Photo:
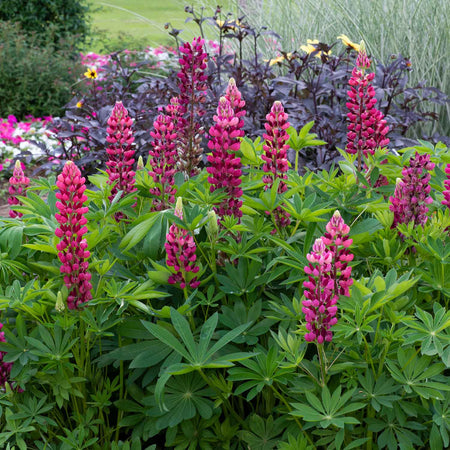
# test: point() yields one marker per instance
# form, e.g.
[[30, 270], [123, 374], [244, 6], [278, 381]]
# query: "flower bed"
[[211, 296]]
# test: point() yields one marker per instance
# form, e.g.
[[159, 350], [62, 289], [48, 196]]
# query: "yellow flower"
[[226, 24], [311, 47], [278, 59], [79, 104], [346, 41], [91, 73]]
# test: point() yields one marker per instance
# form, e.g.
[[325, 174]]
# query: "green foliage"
[[49, 20], [36, 79], [147, 364]]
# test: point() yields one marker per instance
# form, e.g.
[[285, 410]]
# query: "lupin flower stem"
[[18, 184], [192, 83], [120, 152], [225, 167], [367, 129], [72, 249]]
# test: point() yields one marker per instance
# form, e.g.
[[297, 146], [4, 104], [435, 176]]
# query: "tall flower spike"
[[225, 167], [329, 276], [411, 195], [275, 156], [367, 129], [192, 84], [72, 248], [446, 192], [18, 184], [162, 160], [120, 163], [180, 249], [5, 367]]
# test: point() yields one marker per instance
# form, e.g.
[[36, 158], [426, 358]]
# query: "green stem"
[[322, 362], [281, 397]]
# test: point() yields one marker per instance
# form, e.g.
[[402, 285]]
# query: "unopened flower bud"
[[59, 305], [140, 163], [212, 227]]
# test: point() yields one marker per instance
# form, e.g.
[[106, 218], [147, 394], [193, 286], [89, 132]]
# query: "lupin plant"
[[225, 167], [181, 256], [5, 367], [411, 195], [72, 249], [446, 191], [18, 184], [192, 85], [367, 128], [163, 163], [275, 157], [120, 152], [329, 276]]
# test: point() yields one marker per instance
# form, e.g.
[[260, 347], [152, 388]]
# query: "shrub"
[[50, 20], [35, 79]]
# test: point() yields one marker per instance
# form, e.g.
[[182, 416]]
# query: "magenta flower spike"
[[120, 163], [72, 248], [225, 167], [446, 192], [329, 276], [18, 184], [180, 249], [411, 195], [5, 367], [275, 156], [192, 85], [233, 95], [367, 128], [162, 160]]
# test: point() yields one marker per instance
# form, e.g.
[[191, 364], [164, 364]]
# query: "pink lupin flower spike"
[[180, 249], [328, 277], [225, 167], [411, 195], [120, 152], [18, 184], [367, 128], [5, 367], [72, 248], [162, 160], [275, 156], [192, 84], [446, 191]]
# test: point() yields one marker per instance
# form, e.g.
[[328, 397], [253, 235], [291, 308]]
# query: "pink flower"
[[72, 248], [162, 160], [225, 167], [411, 195], [120, 152], [192, 84], [367, 129], [18, 184], [328, 277], [446, 192], [5, 367], [275, 156], [180, 248]]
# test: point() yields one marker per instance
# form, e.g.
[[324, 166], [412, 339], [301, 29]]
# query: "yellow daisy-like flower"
[[91, 73], [79, 104], [225, 24], [311, 47], [347, 42], [278, 59]]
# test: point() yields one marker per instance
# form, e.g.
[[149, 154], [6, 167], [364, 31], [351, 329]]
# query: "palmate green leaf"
[[332, 410]]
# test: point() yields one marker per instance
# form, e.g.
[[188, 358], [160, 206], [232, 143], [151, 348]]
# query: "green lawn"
[[142, 21]]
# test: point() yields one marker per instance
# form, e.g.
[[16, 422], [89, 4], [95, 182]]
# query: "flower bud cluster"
[[446, 192], [162, 161], [367, 129], [192, 85], [180, 249], [411, 195], [120, 153], [275, 156], [225, 167], [329, 276], [18, 184], [72, 248]]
